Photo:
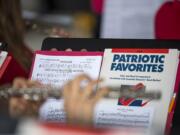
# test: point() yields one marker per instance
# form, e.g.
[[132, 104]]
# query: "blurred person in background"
[[12, 31]]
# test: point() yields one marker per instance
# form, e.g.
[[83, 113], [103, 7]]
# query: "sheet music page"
[[108, 114], [53, 110], [129, 18], [56, 70], [3, 56]]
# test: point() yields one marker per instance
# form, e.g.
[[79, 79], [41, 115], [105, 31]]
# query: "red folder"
[[11, 69]]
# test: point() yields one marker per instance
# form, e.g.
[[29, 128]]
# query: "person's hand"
[[18, 106], [79, 102]]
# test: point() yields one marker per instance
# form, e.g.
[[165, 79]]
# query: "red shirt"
[[97, 6]]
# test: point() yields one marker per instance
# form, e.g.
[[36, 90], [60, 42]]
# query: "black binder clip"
[[3, 46]]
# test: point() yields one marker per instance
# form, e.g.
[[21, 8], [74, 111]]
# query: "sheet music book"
[[138, 69], [133, 19], [55, 68], [145, 69], [9, 68]]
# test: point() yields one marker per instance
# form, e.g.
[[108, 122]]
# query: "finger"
[[68, 101], [67, 90], [76, 84], [20, 83], [88, 90], [46, 86], [83, 50], [17, 106], [100, 94], [68, 50], [34, 107], [54, 49], [32, 83]]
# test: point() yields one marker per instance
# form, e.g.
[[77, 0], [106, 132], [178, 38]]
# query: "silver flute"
[[37, 94]]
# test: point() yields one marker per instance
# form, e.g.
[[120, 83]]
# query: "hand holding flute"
[[79, 101], [27, 96]]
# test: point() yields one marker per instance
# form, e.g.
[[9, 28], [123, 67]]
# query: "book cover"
[[139, 70]]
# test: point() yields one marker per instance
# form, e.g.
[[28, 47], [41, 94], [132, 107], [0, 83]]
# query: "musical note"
[[52, 111], [122, 116]]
